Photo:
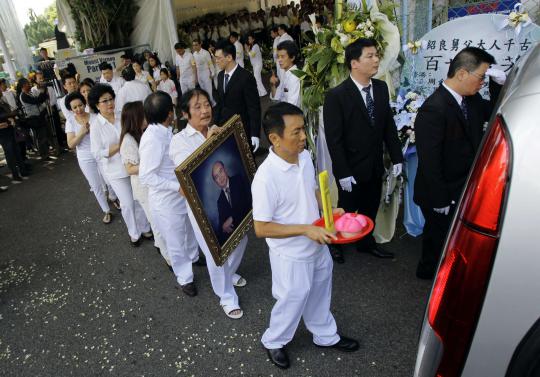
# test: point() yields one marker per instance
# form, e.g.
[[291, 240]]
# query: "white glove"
[[397, 169], [346, 183], [442, 211], [497, 75], [255, 143]]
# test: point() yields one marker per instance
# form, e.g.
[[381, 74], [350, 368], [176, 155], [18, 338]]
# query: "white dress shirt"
[[274, 201], [203, 61], [103, 134], [83, 149], [360, 87], [458, 97], [62, 104], [288, 89], [285, 37], [185, 63], [9, 97], [116, 83], [230, 73], [274, 48], [156, 170], [255, 55], [239, 53], [184, 143], [132, 91]]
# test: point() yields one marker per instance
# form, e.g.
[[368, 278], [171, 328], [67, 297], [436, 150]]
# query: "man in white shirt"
[[186, 70], [224, 30], [108, 77], [197, 109], [283, 35], [132, 90], [70, 85], [299, 258], [167, 205], [275, 36], [288, 89], [234, 39], [205, 68]]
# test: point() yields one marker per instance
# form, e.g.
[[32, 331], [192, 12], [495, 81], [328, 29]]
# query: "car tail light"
[[461, 282]]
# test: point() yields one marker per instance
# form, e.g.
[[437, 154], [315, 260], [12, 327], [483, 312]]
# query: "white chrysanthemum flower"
[[360, 26], [369, 34]]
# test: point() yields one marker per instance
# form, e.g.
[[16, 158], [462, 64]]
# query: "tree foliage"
[[103, 22], [40, 28]]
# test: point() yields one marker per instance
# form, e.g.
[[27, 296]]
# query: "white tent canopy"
[[11, 32]]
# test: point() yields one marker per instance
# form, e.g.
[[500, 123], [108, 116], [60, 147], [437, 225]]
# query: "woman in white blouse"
[[255, 57], [105, 145], [143, 76], [167, 85], [77, 132], [155, 67], [133, 126]]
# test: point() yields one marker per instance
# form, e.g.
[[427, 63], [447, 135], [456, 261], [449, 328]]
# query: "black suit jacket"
[[241, 203], [354, 143], [447, 144], [241, 98]]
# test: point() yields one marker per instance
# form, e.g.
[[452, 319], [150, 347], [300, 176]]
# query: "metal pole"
[[7, 57], [430, 15], [404, 21]]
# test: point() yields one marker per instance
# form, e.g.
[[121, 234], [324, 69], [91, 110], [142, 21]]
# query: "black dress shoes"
[[378, 251], [136, 243], [345, 345], [279, 357], [337, 254], [189, 289]]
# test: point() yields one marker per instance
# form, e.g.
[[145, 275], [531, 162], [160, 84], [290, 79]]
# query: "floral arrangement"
[[324, 67], [517, 19], [405, 109]]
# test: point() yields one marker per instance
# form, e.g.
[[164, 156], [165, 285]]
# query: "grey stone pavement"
[[77, 300]]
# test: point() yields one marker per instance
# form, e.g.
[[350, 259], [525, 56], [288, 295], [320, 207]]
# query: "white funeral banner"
[[88, 66], [429, 61]]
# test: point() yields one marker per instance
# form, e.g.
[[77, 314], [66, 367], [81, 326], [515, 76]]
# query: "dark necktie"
[[226, 82], [370, 105], [464, 109], [228, 195]]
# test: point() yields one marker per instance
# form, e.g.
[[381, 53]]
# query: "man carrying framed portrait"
[[196, 107]]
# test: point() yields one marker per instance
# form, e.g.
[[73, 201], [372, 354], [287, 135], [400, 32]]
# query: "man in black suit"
[[234, 201], [237, 93], [449, 128], [357, 121]]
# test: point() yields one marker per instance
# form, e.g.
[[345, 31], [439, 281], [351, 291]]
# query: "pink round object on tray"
[[352, 226]]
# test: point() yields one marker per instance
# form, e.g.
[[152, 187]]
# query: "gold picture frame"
[[230, 145]]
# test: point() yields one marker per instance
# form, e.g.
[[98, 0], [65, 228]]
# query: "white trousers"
[[186, 85], [302, 290], [132, 212], [90, 171], [221, 277], [179, 240], [108, 187], [205, 82], [159, 242], [260, 86]]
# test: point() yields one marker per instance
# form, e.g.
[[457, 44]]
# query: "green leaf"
[[299, 73], [336, 45], [326, 58]]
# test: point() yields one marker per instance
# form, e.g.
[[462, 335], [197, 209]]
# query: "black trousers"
[[11, 150], [40, 128], [436, 229], [365, 198], [60, 133]]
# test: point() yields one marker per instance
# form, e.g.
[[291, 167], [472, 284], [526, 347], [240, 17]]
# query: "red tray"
[[341, 240]]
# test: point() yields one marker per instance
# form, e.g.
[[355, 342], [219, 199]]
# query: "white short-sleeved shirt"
[[83, 148], [102, 135], [168, 87], [185, 63], [116, 83], [156, 170], [274, 201], [203, 61], [288, 89], [132, 91]]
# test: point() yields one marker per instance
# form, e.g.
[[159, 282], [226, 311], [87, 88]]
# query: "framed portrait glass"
[[216, 180]]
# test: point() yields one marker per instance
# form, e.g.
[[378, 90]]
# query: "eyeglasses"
[[481, 77], [107, 100]]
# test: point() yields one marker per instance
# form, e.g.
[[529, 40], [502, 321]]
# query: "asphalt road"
[[77, 300]]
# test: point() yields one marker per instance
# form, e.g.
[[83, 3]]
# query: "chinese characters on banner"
[[429, 67]]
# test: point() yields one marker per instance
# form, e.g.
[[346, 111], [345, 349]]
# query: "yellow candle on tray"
[[326, 202]]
